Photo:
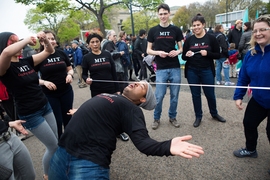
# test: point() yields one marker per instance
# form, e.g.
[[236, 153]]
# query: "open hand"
[[187, 150], [71, 111]]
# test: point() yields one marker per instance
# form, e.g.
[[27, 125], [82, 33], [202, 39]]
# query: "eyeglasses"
[[260, 30]]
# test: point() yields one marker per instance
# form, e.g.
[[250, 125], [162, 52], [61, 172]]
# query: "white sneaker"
[[218, 83], [229, 84]]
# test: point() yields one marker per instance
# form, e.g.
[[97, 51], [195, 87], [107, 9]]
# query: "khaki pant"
[[233, 70], [79, 72]]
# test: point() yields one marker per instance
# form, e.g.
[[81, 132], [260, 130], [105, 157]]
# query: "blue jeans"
[[61, 103], [64, 166], [36, 118], [219, 67], [202, 76], [164, 76]]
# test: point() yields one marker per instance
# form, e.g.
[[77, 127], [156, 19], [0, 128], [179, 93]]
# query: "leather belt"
[[5, 136]]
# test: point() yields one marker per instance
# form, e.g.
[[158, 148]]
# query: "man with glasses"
[[161, 43]]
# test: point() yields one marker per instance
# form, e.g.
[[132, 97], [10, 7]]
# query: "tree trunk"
[[101, 25]]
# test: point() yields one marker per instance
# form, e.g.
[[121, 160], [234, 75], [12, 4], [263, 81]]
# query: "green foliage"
[[65, 25], [107, 24], [96, 7], [49, 6], [267, 5], [142, 20], [68, 31], [181, 18]]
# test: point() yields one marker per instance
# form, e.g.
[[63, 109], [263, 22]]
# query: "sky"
[[13, 14]]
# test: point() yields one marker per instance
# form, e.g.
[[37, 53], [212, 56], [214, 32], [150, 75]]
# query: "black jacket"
[[223, 44], [234, 36], [140, 47]]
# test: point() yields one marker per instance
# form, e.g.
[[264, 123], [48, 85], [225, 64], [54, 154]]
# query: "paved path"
[[219, 140]]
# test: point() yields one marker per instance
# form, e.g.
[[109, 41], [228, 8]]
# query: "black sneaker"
[[243, 152], [124, 137]]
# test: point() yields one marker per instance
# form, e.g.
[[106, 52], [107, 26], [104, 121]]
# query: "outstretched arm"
[[179, 147]]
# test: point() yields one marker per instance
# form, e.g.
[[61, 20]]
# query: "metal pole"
[[131, 17], [226, 13]]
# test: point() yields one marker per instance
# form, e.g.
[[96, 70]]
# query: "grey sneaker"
[[82, 85], [155, 124], [243, 152], [174, 122]]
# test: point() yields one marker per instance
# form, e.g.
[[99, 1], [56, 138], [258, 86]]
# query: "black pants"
[[143, 72], [136, 65], [254, 115], [120, 77]]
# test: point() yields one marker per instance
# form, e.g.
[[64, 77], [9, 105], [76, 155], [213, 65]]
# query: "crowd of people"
[[41, 96]]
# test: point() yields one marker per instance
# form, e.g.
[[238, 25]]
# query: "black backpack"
[[226, 39]]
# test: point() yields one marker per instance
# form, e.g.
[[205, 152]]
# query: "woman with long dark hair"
[[200, 51], [56, 75]]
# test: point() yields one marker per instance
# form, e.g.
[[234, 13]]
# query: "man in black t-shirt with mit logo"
[[164, 37]]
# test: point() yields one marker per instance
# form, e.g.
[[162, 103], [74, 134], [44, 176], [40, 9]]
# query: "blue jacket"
[[77, 56], [125, 58], [255, 72], [68, 51]]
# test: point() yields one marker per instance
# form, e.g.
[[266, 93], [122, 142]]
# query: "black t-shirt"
[[100, 67], [207, 42], [23, 82], [54, 69], [164, 39], [91, 132]]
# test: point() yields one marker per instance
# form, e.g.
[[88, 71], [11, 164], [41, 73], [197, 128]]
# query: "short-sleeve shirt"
[[164, 39], [22, 80], [101, 67], [54, 69]]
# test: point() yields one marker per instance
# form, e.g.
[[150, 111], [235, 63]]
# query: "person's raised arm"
[[10, 51], [48, 49]]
